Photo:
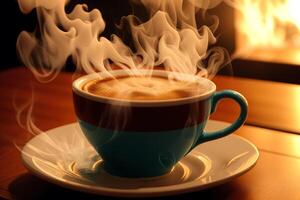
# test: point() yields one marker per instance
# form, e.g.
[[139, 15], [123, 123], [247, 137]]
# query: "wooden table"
[[274, 114]]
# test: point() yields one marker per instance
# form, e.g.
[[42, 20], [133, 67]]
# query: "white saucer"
[[64, 157]]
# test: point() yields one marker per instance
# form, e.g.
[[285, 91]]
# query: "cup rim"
[[78, 83]]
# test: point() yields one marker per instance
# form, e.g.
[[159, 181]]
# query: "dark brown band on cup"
[[130, 118]]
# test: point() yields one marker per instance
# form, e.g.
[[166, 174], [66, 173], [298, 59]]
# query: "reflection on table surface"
[[274, 113]]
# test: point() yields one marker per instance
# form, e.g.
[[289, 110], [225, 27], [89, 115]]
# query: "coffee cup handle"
[[241, 100]]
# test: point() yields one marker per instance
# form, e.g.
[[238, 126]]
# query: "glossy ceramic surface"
[[64, 157], [147, 138]]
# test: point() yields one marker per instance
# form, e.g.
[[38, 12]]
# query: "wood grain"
[[272, 105]]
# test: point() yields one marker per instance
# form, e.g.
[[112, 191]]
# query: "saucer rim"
[[144, 192]]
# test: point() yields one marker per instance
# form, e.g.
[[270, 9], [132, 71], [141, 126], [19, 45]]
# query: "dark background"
[[14, 22], [11, 21], [112, 11]]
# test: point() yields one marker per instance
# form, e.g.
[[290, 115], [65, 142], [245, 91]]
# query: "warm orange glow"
[[268, 24]]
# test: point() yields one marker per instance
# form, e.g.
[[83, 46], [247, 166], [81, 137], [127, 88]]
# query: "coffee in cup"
[[144, 88], [141, 126]]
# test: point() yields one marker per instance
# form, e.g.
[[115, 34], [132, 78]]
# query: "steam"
[[58, 155], [170, 38]]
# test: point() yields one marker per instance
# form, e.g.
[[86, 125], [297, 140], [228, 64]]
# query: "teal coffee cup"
[[140, 138]]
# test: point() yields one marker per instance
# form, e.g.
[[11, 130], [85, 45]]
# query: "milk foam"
[[144, 88]]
